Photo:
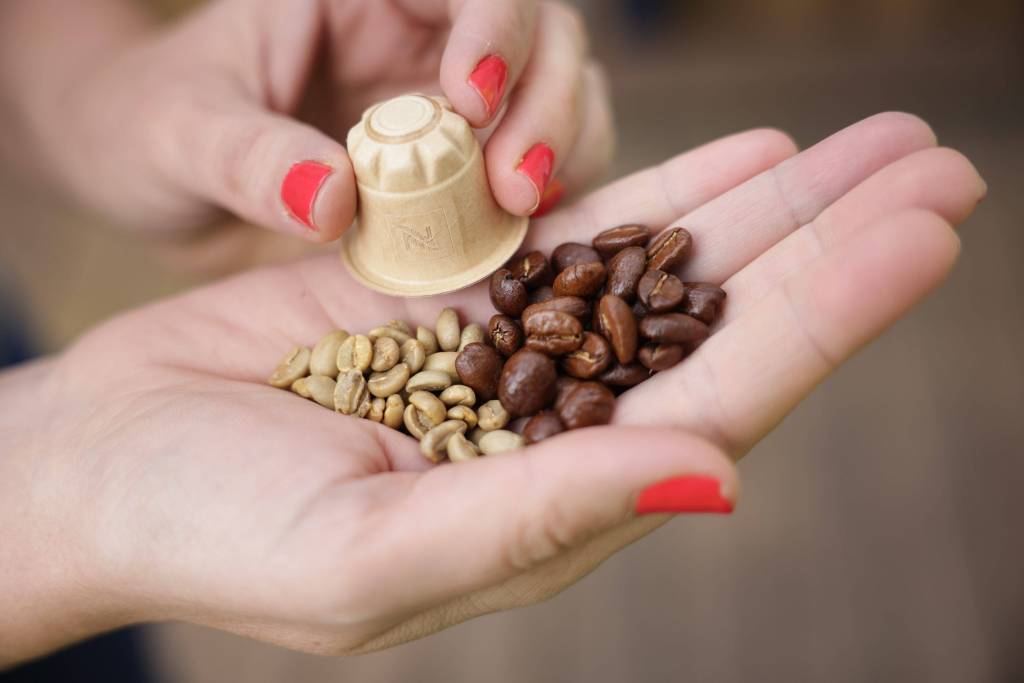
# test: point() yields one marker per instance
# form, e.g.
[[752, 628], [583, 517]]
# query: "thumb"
[[266, 168]]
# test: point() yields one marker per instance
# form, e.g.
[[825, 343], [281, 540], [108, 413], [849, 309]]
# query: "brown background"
[[880, 533]]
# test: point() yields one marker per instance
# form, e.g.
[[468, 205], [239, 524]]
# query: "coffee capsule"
[[427, 221]]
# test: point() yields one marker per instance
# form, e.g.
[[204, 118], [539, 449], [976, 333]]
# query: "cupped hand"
[[244, 106], [194, 491]]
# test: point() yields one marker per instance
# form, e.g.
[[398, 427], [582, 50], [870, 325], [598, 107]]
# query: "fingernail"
[[549, 200], [488, 79], [300, 187], [537, 165], [683, 494]]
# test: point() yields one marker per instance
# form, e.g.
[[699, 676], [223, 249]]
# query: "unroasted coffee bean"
[[461, 449], [527, 382], [703, 301], [433, 411], [324, 359], [321, 389], [299, 387], [479, 368], [500, 441], [563, 385], [506, 334], [553, 333], [443, 361], [582, 280], [540, 294], [508, 294], [428, 380], [394, 407], [428, 339], [350, 394], [471, 334], [414, 355], [659, 291], [669, 249], [458, 394], [624, 272], [625, 376], [464, 413], [384, 384], [572, 253], [618, 325], [377, 407], [386, 353], [415, 422], [573, 305], [612, 241], [356, 352], [588, 404], [449, 334], [533, 270], [591, 359], [399, 335], [673, 328], [661, 356], [400, 325], [541, 426], [492, 415], [435, 441], [292, 367]]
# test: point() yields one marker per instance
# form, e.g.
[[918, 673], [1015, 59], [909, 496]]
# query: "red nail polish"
[[550, 199], [683, 494], [537, 165], [300, 187], [488, 79]]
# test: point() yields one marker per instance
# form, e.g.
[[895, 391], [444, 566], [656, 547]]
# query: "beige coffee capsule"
[[427, 220]]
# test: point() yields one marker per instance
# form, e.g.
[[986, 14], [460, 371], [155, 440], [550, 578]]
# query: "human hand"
[[182, 487], [241, 106]]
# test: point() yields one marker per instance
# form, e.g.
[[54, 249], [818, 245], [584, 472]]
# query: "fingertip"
[[334, 207]]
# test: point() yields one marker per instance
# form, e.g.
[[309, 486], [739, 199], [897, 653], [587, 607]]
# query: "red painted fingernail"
[[550, 198], [300, 187], [488, 79], [683, 494], [537, 165]]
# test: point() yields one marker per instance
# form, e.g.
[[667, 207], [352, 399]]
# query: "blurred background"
[[879, 538]]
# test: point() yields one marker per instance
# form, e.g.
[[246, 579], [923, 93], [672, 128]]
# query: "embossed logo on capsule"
[[420, 237]]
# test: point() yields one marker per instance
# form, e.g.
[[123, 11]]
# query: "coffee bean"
[[300, 388], [321, 389], [624, 272], [415, 422], [563, 385], [541, 426], [394, 407], [639, 310], [350, 394], [540, 294], [324, 359], [433, 411], [471, 334], [619, 326], [527, 382], [458, 394], [669, 249], [435, 442], [533, 270], [508, 294], [553, 333], [292, 367], [377, 408], [400, 325], [356, 352], [673, 328], [428, 380], [448, 330], [500, 441], [613, 240], [414, 355], [428, 339], [703, 301], [591, 359], [573, 305], [582, 280], [389, 331], [625, 376], [461, 449], [572, 253], [386, 353], [443, 361], [661, 356], [479, 368], [660, 291], [384, 384], [506, 334], [492, 415], [588, 404], [464, 413]]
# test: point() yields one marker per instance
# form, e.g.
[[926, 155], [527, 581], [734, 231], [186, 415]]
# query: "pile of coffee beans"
[[590, 322], [571, 332]]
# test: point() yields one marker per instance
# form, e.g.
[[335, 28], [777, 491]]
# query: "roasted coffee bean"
[[292, 367], [573, 305], [588, 404], [500, 441], [582, 280], [508, 294], [553, 333], [703, 301], [527, 382], [591, 359], [350, 394], [618, 325], [506, 334], [479, 368], [659, 291], [669, 249], [624, 272], [624, 376], [572, 253], [673, 328], [449, 333], [613, 240], [324, 359], [639, 310], [540, 295], [563, 385], [461, 449], [533, 270], [471, 334], [492, 415], [428, 339], [541, 426], [356, 352], [386, 353], [661, 356]]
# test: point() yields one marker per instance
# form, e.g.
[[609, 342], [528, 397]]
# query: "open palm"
[[216, 499]]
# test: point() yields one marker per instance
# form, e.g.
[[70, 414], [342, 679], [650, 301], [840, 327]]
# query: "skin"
[[149, 474]]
